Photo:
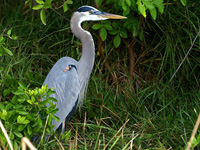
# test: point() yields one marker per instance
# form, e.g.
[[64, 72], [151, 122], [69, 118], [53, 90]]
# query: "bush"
[[26, 114]]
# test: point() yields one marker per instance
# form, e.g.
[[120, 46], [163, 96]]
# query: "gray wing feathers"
[[66, 85]]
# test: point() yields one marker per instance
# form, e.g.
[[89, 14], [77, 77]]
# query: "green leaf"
[[47, 6], [124, 5], [6, 91], [14, 37], [103, 34], [40, 1], [108, 27], [37, 7], [67, 135], [117, 41], [159, 5], [153, 13], [21, 85], [70, 2], [123, 34], [96, 26], [29, 101], [65, 7], [18, 134], [22, 112], [113, 32], [21, 127], [48, 1], [183, 2], [29, 129], [1, 38], [26, 122], [42, 16], [149, 4], [55, 117], [8, 51], [9, 32], [141, 8], [1, 107], [19, 92], [128, 2], [20, 119]]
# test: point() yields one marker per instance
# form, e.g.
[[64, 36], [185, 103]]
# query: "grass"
[[155, 114]]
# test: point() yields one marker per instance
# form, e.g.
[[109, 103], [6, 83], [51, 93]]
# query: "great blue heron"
[[70, 77]]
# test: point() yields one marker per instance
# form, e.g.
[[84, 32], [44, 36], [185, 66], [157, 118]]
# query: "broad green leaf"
[[113, 32], [47, 6], [29, 129], [40, 1], [128, 2], [103, 34], [183, 2], [124, 5], [108, 27], [1, 69], [1, 38], [27, 1], [65, 7], [1, 107], [117, 41], [9, 32], [21, 85], [70, 2], [26, 122], [37, 7], [8, 51], [20, 119], [55, 117], [141, 8], [48, 1], [18, 134], [14, 37], [21, 127], [96, 26], [22, 112], [153, 13], [123, 34], [159, 5], [42, 16], [19, 92], [149, 4], [6, 91]]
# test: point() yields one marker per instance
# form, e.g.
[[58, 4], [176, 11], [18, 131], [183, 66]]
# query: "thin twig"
[[194, 132], [6, 135], [61, 5], [185, 56], [60, 14]]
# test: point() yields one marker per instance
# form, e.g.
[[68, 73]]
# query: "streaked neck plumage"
[[86, 62]]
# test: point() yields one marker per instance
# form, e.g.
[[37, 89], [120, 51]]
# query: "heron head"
[[88, 13]]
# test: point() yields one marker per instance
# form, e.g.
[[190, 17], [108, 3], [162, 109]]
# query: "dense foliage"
[[130, 102]]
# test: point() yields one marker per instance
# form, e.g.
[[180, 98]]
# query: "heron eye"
[[90, 11]]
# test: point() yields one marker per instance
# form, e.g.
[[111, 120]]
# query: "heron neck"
[[86, 61]]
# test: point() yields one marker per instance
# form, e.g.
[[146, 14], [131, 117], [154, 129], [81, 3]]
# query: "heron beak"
[[111, 16]]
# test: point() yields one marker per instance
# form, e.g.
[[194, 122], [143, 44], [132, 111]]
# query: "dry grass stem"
[[25, 141], [6, 135], [194, 132]]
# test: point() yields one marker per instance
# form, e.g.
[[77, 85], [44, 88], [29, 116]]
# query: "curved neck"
[[86, 61]]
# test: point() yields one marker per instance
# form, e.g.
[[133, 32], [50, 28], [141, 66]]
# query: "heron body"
[[70, 77]]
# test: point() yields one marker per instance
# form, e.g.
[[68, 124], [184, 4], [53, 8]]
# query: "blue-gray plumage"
[[70, 77]]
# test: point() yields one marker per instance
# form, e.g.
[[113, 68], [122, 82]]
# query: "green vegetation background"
[[141, 111]]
